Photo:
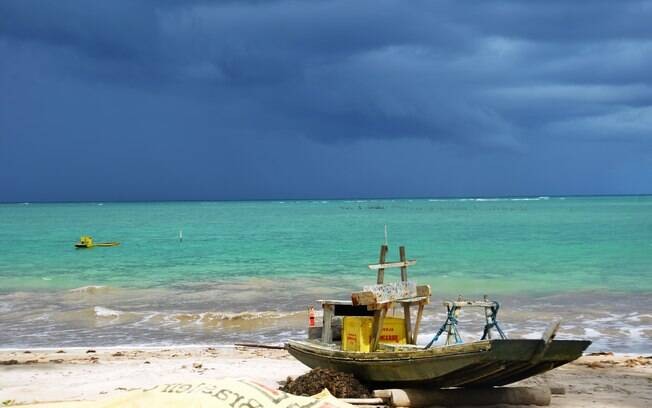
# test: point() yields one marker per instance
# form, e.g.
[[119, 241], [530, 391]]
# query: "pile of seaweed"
[[341, 385]]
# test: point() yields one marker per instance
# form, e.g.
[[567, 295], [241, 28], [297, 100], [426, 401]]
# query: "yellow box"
[[356, 332]]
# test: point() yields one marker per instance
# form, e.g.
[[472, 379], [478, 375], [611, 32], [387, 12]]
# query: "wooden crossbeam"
[[469, 303], [370, 298], [399, 264], [411, 301]]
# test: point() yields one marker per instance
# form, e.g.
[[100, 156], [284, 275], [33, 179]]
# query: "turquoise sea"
[[247, 271]]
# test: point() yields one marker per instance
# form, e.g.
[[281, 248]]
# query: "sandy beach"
[[28, 376]]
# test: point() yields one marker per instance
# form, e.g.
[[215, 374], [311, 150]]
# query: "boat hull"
[[101, 244], [478, 364]]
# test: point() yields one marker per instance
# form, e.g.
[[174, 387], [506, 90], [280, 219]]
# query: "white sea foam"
[[592, 333], [101, 311], [5, 307], [501, 199], [89, 289], [231, 316]]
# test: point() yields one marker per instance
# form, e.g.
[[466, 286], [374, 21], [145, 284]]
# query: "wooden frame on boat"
[[380, 302]]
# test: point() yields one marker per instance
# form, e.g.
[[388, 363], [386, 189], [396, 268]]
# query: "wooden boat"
[[87, 242], [485, 363], [478, 364]]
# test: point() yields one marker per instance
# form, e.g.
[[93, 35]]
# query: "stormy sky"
[[168, 100]]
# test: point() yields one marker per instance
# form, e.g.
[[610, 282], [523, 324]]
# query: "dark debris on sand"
[[341, 385]]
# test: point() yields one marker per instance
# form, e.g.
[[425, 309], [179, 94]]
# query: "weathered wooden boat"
[[485, 363], [477, 364]]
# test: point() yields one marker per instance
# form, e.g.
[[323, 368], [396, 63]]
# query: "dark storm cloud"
[[340, 70], [480, 76]]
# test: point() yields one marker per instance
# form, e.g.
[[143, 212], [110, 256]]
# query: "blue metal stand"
[[450, 325]]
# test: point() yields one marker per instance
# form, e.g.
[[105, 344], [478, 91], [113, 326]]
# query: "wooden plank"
[[412, 301], [381, 270], [469, 303], [327, 332], [363, 298], [379, 319], [550, 333], [547, 337], [423, 290], [370, 405], [384, 394], [399, 264], [365, 401], [384, 293], [415, 335], [335, 302], [404, 276]]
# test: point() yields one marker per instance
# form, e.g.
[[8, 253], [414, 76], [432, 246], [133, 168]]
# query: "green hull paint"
[[477, 364]]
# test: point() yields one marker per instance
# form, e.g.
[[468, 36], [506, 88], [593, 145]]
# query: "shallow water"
[[248, 270]]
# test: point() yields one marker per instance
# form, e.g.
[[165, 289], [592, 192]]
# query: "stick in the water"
[[256, 345], [180, 235]]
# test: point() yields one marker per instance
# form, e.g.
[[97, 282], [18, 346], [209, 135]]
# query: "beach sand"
[[83, 374]]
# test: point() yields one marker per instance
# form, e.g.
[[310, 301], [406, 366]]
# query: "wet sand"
[[87, 374]]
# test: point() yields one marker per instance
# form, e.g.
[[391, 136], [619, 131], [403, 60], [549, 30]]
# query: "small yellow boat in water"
[[87, 242]]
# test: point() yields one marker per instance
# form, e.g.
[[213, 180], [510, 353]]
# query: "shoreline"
[[80, 373], [235, 346]]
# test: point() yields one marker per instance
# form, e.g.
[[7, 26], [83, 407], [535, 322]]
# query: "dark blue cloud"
[[254, 88]]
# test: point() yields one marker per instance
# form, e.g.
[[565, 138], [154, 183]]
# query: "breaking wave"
[[91, 289], [106, 312]]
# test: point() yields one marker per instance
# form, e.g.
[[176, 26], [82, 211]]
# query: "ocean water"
[[247, 271]]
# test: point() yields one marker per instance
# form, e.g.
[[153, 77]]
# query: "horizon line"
[[329, 199]]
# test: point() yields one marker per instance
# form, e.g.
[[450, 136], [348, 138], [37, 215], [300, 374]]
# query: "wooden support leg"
[[406, 308], [415, 335], [377, 328], [327, 333], [408, 324]]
